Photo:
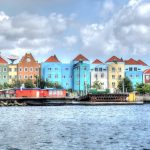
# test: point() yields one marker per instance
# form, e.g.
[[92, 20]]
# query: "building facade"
[[3, 71], [51, 70], [81, 74], [134, 71], [99, 73], [146, 76], [13, 72], [116, 67], [28, 68], [67, 76]]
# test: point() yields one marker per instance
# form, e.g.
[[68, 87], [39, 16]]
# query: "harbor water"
[[75, 128]]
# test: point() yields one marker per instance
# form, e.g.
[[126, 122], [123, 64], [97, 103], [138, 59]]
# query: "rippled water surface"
[[75, 128]]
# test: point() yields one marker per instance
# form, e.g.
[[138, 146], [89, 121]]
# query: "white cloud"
[[125, 34], [34, 32]]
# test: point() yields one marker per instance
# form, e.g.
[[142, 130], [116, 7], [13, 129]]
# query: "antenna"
[[12, 58]]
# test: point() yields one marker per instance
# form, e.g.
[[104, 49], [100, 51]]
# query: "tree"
[[143, 88], [29, 84], [127, 85], [16, 83], [97, 85]]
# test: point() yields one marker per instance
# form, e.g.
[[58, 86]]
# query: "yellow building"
[[12, 72], [116, 72]]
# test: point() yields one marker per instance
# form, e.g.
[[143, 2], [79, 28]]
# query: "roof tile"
[[97, 61], [52, 59], [80, 57]]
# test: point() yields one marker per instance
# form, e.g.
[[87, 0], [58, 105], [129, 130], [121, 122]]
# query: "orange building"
[[28, 68]]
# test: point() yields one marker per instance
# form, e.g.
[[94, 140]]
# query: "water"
[[75, 128]]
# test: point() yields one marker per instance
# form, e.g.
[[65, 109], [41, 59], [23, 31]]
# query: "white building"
[[99, 73]]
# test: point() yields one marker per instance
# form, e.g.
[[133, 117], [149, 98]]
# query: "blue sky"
[[94, 28]]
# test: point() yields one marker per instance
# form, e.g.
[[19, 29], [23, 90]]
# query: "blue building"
[[81, 74], [51, 70], [67, 77], [134, 71]]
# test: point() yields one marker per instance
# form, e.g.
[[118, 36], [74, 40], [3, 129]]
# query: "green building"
[[3, 71]]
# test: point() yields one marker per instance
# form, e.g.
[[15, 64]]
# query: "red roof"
[[147, 71], [80, 57], [3, 61], [97, 61], [131, 61], [142, 63], [114, 58], [52, 59]]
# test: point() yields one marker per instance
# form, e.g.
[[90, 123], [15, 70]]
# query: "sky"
[[98, 29]]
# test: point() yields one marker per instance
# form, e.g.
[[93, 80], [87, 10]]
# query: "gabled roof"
[[97, 61], [147, 71], [52, 59], [142, 63], [2, 60], [80, 57], [114, 58], [131, 61]]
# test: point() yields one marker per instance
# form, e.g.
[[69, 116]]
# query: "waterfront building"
[[67, 77], [13, 73], [81, 74], [116, 73], [28, 68], [99, 73], [3, 70], [134, 71], [51, 70], [146, 76]]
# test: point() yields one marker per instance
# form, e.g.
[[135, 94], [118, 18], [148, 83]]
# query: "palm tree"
[[97, 85]]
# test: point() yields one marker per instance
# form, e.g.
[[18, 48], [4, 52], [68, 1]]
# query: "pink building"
[[146, 76]]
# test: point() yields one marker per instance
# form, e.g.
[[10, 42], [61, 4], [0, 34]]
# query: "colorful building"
[[28, 68], [116, 73], [81, 74], [146, 76], [134, 71], [67, 77], [13, 73], [99, 73], [51, 70], [3, 70]]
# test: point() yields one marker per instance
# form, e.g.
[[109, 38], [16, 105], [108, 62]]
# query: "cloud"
[[34, 32], [125, 34]]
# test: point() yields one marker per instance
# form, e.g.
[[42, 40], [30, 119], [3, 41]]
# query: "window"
[[66, 68], [102, 75], [119, 77], [70, 76], [130, 69], [4, 77], [84, 68], [113, 76], [15, 69], [10, 77], [31, 69], [30, 77], [25, 77], [49, 76], [131, 76], [15, 77], [20, 76], [147, 77], [56, 75], [137, 76], [119, 69], [113, 84], [10, 69], [84, 75], [36, 69], [20, 69], [64, 77], [95, 76], [100, 69], [25, 69], [113, 69], [135, 68], [56, 68], [4, 69], [96, 69]]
